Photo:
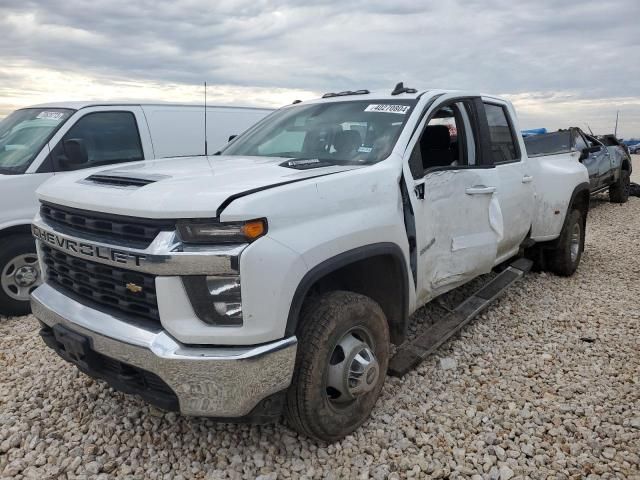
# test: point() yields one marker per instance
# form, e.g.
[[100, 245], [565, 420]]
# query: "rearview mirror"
[[231, 137], [75, 152]]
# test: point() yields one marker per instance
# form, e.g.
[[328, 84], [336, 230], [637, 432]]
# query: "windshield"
[[548, 143], [360, 132], [24, 133]]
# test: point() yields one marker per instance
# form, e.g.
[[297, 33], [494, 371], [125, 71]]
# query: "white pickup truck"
[[274, 277]]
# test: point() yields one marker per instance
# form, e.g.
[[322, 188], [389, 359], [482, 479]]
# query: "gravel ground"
[[544, 384]]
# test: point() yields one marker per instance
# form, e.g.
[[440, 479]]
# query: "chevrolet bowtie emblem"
[[134, 288]]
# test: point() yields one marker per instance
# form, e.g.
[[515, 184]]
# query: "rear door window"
[[503, 142], [107, 138]]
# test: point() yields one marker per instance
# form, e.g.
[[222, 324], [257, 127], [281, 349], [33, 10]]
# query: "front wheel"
[[343, 354], [19, 274], [565, 257], [619, 191]]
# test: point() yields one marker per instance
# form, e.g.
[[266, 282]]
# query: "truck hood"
[[184, 187]]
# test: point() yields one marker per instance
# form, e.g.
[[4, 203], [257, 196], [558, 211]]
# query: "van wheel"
[[565, 257], [19, 274], [619, 191], [343, 354]]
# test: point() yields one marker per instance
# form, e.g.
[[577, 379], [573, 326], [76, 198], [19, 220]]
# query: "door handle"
[[527, 179], [480, 190]]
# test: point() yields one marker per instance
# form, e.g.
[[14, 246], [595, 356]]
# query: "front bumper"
[[223, 382]]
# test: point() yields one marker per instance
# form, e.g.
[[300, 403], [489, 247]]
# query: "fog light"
[[216, 300]]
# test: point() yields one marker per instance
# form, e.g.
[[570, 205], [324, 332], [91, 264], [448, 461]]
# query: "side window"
[[443, 142], [580, 143], [99, 138], [503, 144]]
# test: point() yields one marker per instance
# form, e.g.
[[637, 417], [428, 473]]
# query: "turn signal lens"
[[254, 229], [214, 232]]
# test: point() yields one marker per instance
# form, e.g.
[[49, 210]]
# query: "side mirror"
[[75, 152], [584, 154], [231, 137]]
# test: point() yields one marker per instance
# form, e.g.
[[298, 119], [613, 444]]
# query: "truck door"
[[601, 163], [590, 161], [451, 183], [515, 183]]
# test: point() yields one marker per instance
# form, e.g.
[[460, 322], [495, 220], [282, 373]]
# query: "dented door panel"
[[457, 236]]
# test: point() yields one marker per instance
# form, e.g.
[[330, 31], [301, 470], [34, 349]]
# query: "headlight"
[[213, 232]]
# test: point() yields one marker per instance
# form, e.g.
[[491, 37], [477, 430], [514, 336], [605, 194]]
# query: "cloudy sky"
[[563, 62]]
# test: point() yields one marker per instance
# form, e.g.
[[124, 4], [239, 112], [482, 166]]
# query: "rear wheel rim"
[[353, 370], [20, 276], [575, 242]]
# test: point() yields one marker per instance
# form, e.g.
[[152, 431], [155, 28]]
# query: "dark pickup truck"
[[608, 163]]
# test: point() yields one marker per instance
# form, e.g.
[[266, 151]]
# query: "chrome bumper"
[[217, 382]]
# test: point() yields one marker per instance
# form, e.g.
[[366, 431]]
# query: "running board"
[[410, 354]]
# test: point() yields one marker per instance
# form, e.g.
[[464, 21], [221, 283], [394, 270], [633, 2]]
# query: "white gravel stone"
[[543, 384], [448, 363]]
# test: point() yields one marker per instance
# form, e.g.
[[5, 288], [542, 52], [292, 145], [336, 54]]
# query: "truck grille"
[[102, 284], [138, 231]]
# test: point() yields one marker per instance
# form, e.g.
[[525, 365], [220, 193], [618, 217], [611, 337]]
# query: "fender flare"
[[579, 189], [341, 260]]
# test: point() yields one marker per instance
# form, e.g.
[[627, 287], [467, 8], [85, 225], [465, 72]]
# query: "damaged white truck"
[[273, 277]]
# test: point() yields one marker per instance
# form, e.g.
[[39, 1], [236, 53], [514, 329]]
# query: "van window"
[[99, 138], [24, 133], [503, 145]]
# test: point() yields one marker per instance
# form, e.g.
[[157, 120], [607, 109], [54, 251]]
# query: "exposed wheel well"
[[626, 165], [381, 276]]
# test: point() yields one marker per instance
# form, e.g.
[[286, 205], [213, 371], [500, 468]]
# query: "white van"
[[45, 140]]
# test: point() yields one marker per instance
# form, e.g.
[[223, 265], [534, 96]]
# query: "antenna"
[[615, 132], [590, 131], [206, 149]]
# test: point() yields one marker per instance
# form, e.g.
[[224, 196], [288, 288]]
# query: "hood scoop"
[[123, 179]]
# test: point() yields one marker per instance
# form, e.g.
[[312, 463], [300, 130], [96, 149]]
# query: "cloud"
[[584, 52]]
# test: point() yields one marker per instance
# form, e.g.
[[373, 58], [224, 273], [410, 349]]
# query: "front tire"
[[565, 257], [19, 274], [619, 191], [343, 355]]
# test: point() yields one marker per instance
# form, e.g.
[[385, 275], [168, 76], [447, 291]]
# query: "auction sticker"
[[386, 108], [51, 115]]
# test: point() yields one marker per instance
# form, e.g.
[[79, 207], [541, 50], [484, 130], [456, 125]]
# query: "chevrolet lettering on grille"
[[87, 249]]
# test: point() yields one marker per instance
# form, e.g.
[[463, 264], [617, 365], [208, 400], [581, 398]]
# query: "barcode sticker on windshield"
[[51, 115], [385, 108]]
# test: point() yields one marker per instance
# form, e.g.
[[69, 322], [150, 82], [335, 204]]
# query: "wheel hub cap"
[[26, 276], [353, 368], [20, 276]]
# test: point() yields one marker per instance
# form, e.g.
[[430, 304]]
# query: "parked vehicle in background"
[[274, 278], [634, 148], [609, 166], [39, 142]]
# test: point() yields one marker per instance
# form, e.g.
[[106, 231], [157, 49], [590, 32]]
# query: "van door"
[[515, 193], [452, 184], [102, 136]]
